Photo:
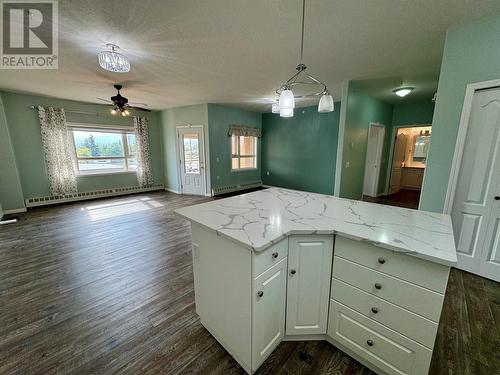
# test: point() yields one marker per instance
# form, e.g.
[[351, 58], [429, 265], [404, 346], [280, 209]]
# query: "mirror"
[[421, 147]]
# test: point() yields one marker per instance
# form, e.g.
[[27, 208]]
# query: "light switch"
[[347, 164], [268, 173]]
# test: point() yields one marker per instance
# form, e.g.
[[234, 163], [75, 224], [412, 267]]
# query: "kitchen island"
[[281, 264]]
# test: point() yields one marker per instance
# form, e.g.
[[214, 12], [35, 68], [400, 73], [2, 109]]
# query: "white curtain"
[[144, 173], [60, 172]]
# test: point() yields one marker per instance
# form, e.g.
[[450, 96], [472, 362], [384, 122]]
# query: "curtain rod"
[[83, 112]]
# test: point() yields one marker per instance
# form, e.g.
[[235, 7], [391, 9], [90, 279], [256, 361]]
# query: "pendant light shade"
[[287, 103], [275, 107], [325, 103], [113, 61], [286, 112]]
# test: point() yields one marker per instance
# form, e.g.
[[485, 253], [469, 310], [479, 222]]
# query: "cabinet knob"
[[374, 310], [275, 255], [293, 272], [497, 198], [260, 293], [378, 286], [381, 260], [369, 342]]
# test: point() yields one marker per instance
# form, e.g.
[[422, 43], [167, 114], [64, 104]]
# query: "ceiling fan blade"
[[105, 100], [138, 108], [138, 104]]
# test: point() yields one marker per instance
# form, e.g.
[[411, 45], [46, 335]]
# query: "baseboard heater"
[[232, 188], [43, 201]]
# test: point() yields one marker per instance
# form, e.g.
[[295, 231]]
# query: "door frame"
[[390, 158], [178, 155], [470, 90], [380, 153]]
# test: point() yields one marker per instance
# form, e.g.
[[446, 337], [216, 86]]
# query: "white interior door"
[[373, 159], [191, 160], [476, 206], [397, 163]]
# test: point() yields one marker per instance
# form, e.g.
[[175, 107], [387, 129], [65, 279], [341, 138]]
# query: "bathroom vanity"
[[281, 264]]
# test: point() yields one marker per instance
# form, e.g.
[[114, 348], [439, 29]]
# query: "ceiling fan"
[[121, 103]]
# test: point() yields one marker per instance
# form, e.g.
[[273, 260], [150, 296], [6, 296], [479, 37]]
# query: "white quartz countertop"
[[259, 219]]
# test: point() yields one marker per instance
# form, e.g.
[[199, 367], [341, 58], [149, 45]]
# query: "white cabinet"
[[309, 273], [268, 311], [412, 178]]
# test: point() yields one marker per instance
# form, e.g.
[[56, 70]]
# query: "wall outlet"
[[347, 164], [217, 159], [268, 173], [218, 177]]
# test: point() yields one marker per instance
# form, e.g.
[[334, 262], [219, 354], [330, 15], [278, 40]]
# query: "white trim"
[[340, 142], [173, 190], [470, 90], [178, 157], [85, 126], [380, 152], [14, 211], [390, 156]]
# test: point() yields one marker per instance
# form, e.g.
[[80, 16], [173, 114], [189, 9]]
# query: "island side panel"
[[223, 287]]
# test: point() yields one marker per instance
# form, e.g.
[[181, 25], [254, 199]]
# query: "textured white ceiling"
[[238, 51]]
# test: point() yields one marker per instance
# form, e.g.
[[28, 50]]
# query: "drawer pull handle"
[[293, 272], [378, 286], [275, 255], [369, 342], [374, 310], [381, 260], [260, 293]]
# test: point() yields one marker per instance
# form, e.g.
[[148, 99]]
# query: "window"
[[243, 152], [191, 153], [100, 150]]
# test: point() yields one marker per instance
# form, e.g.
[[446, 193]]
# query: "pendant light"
[[286, 95], [113, 61]]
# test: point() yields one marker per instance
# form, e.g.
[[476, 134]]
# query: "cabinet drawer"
[[403, 321], [384, 348], [417, 271], [265, 259], [409, 296]]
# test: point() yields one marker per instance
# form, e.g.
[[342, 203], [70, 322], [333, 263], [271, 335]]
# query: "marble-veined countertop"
[[259, 219]]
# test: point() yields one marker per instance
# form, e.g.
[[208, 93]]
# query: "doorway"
[[475, 209], [191, 157], [376, 133]]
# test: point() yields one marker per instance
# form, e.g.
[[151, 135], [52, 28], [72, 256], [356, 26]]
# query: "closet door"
[[475, 212]]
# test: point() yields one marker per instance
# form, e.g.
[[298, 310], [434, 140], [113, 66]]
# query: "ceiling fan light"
[[275, 107], [127, 112], [325, 103], [286, 112], [403, 91], [113, 61], [124, 114], [113, 111], [286, 101]]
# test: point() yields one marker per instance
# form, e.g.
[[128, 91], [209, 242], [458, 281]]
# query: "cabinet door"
[[268, 311], [309, 275]]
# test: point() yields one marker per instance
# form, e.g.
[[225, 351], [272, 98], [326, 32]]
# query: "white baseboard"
[[173, 190], [14, 211]]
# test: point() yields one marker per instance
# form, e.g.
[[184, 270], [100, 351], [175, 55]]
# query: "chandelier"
[[113, 61], [286, 101]]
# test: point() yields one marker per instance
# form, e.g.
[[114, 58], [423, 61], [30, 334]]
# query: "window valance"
[[245, 131]]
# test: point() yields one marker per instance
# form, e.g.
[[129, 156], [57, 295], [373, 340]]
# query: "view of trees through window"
[[97, 150]]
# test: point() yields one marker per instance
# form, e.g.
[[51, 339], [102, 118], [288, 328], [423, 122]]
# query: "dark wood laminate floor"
[[403, 198], [106, 286]]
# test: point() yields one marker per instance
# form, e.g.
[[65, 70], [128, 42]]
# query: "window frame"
[[239, 156], [124, 131]]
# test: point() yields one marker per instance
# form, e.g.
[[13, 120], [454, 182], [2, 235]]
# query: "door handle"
[[497, 198]]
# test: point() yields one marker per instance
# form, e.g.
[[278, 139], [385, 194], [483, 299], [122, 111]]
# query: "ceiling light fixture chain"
[[301, 77]]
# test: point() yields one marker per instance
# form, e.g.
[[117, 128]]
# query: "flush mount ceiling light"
[[304, 79], [403, 91], [113, 61]]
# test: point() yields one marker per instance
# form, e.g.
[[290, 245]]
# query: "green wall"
[[26, 138], [219, 119], [11, 194], [471, 54], [169, 119], [300, 152], [360, 111], [413, 113]]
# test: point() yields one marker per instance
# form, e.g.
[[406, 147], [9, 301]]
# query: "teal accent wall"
[[360, 111], [413, 113], [219, 119], [11, 194], [170, 119], [471, 54], [24, 129], [300, 152]]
